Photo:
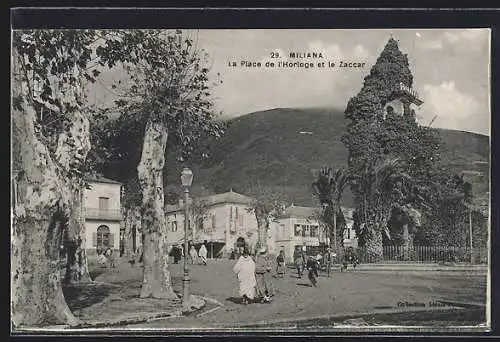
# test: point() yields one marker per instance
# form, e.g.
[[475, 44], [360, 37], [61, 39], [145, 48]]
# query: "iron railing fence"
[[426, 254]]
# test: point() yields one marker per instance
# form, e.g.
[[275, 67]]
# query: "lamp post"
[[186, 180], [325, 206], [470, 236]]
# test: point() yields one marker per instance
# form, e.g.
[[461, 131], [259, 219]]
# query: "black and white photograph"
[[250, 180]]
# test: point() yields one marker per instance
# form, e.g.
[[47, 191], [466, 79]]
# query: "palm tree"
[[380, 186], [329, 188]]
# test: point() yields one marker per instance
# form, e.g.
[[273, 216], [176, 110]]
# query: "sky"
[[450, 69]]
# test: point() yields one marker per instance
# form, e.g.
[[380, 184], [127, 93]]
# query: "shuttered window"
[[103, 203], [103, 237]]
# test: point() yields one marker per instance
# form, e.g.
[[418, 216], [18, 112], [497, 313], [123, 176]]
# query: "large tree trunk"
[[374, 241], [77, 270], [42, 199], [156, 281], [261, 232], [408, 250]]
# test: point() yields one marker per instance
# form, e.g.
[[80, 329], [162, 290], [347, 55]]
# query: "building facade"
[[102, 215], [228, 222], [299, 226], [224, 222]]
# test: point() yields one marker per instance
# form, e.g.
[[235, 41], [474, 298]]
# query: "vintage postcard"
[[243, 180]]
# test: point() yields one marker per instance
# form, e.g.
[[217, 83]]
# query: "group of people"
[[254, 274], [106, 258], [194, 256], [309, 263], [254, 277]]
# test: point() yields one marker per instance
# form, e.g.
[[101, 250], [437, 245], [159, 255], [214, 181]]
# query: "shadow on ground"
[[304, 284], [235, 300], [82, 296]]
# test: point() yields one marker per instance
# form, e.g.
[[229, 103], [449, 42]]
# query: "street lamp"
[[325, 206], [186, 180]]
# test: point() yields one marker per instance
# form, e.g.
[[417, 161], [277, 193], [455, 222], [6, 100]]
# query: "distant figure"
[[245, 271], [299, 263], [312, 266], [280, 264], [102, 260], [177, 254], [350, 257], [110, 257], [193, 255], [202, 253], [263, 275], [139, 254], [232, 255]]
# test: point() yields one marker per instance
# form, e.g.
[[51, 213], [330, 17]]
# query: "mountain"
[[280, 149]]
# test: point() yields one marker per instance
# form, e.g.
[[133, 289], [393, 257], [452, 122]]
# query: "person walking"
[[193, 254], [299, 263], [203, 253], [177, 254], [312, 266], [280, 264], [263, 276], [245, 271], [110, 257]]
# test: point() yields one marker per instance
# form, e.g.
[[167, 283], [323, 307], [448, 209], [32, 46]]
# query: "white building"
[[228, 223], [300, 226], [102, 215], [402, 101]]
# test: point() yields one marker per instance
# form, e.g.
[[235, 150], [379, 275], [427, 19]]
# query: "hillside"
[[280, 148]]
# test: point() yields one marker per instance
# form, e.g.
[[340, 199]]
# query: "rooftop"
[[294, 211], [226, 197], [101, 179]]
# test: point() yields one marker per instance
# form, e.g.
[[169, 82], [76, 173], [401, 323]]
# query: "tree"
[[373, 135], [50, 133], [198, 211], [328, 189], [380, 187], [131, 205], [267, 206], [169, 89]]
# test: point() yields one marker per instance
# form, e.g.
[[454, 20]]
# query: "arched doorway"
[[103, 239]]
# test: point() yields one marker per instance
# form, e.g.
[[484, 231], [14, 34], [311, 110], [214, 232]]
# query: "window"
[[314, 231], [297, 230], [103, 203], [240, 218], [348, 233], [200, 224], [306, 230], [174, 226], [232, 224]]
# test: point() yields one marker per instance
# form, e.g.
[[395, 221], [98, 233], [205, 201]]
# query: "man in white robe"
[[203, 253], [245, 270]]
